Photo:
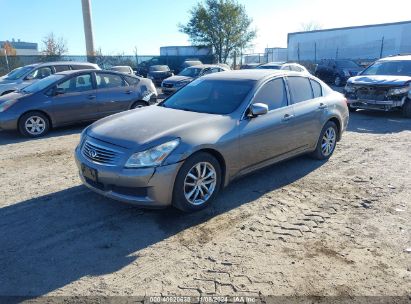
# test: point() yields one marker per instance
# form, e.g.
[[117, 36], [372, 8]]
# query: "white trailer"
[[185, 51], [368, 42]]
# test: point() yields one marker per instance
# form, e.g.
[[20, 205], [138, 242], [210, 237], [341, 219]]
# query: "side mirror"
[[58, 91], [29, 77], [258, 109]]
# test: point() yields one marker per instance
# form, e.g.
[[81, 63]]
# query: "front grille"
[[372, 93], [99, 154]]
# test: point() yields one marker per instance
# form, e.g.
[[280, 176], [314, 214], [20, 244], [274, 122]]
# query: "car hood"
[[4, 81], [177, 78], [11, 96], [379, 80], [149, 126]]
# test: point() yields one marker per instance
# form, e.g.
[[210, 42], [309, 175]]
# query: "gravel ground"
[[301, 227]]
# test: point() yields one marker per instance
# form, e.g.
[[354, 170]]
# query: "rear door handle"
[[91, 96], [287, 117], [322, 106]]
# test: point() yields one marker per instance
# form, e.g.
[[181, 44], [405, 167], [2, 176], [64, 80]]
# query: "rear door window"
[[273, 94], [61, 68], [105, 81], [317, 89], [300, 89]]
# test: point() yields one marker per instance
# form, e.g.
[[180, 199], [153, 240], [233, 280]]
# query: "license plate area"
[[89, 173]]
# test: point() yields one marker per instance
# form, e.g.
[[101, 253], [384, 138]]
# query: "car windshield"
[[347, 64], [210, 96], [18, 73], [159, 68], [190, 72], [397, 68], [42, 84]]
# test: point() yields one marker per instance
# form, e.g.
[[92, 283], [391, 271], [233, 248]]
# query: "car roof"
[[120, 66], [61, 63], [203, 66], [71, 72], [254, 75], [396, 58], [273, 64]]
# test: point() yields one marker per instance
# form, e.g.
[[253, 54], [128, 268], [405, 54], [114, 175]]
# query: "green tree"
[[222, 24]]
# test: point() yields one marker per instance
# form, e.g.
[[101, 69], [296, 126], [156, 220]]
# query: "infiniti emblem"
[[93, 153]]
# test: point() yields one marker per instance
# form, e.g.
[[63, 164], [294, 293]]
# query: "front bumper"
[[8, 121], [147, 187], [382, 105]]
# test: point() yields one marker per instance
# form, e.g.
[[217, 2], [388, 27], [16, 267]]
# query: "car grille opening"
[[99, 154]]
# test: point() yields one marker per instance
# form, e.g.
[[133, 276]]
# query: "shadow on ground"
[[54, 240], [378, 122]]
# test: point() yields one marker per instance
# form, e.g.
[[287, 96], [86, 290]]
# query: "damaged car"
[[385, 85]]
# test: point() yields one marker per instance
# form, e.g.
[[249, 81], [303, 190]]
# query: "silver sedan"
[[214, 130]]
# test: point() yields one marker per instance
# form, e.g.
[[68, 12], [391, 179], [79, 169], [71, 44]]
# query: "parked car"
[[248, 66], [26, 75], [385, 85], [174, 83], [223, 126], [289, 66], [122, 69], [189, 63], [70, 97], [337, 72], [157, 73]]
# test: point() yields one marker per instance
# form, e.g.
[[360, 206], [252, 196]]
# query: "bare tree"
[[310, 26], [54, 46], [9, 50]]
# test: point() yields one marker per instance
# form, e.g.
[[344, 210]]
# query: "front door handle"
[[287, 117], [322, 106], [91, 96]]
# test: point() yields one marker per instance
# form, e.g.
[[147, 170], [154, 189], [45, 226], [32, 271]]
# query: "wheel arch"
[[137, 101], [221, 161], [39, 111], [337, 122]]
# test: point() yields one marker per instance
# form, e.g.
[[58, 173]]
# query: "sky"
[[121, 26]]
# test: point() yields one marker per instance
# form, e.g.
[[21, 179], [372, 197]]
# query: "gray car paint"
[[74, 107], [245, 144]]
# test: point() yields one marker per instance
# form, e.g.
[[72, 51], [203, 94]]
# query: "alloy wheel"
[[35, 125], [200, 183], [328, 141]]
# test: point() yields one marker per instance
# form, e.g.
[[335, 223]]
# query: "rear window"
[[300, 89]]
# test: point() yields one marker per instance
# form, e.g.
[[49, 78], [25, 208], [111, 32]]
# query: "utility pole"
[[88, 28]]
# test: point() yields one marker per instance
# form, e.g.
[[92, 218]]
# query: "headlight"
[[152, 157], [349, 88], [7, 104], [346, 73], [181, 84], [399, 91]]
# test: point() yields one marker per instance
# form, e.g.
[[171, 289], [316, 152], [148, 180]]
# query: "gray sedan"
[[71, 97], [214, 130]]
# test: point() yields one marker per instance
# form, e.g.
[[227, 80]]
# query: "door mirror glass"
[[258, 109]]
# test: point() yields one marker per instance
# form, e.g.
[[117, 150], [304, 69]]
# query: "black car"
[[70, 97], [337, 72], [157, 73], [384, 85]]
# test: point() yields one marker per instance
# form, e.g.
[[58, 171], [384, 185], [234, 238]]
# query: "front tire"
[[327, 142], [198, 182], [34, 124], [138, 104], [406, 109]]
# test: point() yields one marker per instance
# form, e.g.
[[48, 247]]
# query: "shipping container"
[[185, 51]]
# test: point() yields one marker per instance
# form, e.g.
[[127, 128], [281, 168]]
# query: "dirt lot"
[[301, 227]]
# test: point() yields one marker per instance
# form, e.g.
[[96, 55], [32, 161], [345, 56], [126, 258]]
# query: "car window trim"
[[245, 117]]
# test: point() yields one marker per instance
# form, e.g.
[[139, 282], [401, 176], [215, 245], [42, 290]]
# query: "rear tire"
[[139, 104], [34, 124], [326, 142], [197, 183], [406, 109]]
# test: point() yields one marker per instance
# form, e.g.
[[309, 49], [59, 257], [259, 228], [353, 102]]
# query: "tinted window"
[[190, 72], [317, 89], [132, 81], [19, 72], [79, 83], [81, 67], [300, 89], [42, 84], [40, 73], [399, 68], [210, 96], [109, 81], [61, 68], [273, 94]]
